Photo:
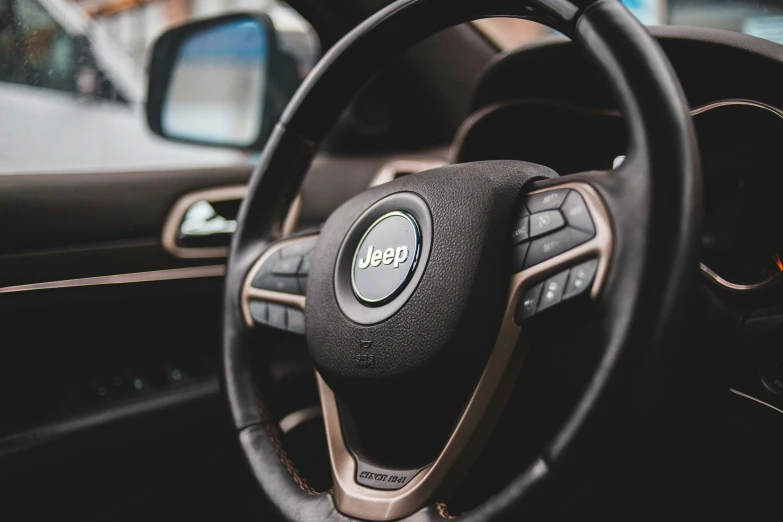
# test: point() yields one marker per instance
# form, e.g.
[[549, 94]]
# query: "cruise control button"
[[296, 322], [546, 222], [277, 316], [520, 232], [299, 247], [276, 283], [258, 310], [553, 290], [265, 269], [576, 212], [529, 303], [556, 243], [304, 268], [549, 200], [287, 265], [518, 256], [580, 277]]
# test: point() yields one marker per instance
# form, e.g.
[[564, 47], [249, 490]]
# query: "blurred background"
[[72, 72]]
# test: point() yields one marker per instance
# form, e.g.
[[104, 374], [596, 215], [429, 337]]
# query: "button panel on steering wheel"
[[273, 294], [551, 225]]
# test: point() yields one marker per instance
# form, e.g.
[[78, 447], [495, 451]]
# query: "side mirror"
[[221, 81]]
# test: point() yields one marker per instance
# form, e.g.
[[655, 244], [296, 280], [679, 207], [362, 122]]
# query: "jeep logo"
[[388, 257], [392, 264]]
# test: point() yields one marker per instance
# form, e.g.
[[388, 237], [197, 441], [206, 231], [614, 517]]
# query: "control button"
[[296, 322], [302, 284], [549, 200], [277, 316], [299, 247], [520, 232], [576, 212], [285, 284], [258, 311], [304, 268], [265, 269], [556, 243], [518, 256], [287, 265], [529, 303], [546, 222], [553, 290], [580, 277]]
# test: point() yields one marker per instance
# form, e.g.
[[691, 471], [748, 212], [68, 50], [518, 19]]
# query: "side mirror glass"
[[210, 82]]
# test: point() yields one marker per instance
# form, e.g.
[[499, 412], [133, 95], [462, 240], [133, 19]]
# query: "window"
[[37, 51], [73, 82]]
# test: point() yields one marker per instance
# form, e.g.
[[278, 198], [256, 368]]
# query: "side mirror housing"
[[222, 81]]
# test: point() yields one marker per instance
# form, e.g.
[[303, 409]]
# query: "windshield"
[[760, 18]]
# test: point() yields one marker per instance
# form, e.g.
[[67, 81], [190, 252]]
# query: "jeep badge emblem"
[[375, 257], [385, 258]]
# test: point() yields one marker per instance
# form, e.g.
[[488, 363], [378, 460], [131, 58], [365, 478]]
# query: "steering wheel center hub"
[[409, 278], [385, 259]]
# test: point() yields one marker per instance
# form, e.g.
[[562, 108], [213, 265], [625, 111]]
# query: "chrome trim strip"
[[294, 419], [706, 271], [736, 101], [713, 277], [173, 221], [391, 170], [485, 405], [754, 399], [193, 272], [171, 226]]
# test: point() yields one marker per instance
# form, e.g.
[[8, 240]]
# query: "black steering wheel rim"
[[654, 200]]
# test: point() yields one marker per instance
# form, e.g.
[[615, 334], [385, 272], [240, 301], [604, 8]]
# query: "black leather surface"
[[461, 294], [653, 200]]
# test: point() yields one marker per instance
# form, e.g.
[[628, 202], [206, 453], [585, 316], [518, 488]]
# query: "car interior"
[[445, 275]]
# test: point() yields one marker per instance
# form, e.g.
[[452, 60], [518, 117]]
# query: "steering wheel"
[[415, 296]]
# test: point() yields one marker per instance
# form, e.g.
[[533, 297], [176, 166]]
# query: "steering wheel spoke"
[[273, 293]]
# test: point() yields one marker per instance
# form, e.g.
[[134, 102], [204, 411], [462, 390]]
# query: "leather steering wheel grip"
[[653, 199]]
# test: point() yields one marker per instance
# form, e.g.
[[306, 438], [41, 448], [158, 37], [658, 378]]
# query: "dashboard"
[[565, 118], [743, 175]]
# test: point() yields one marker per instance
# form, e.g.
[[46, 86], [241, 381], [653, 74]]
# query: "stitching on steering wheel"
[[443, 511], [270, 427]]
